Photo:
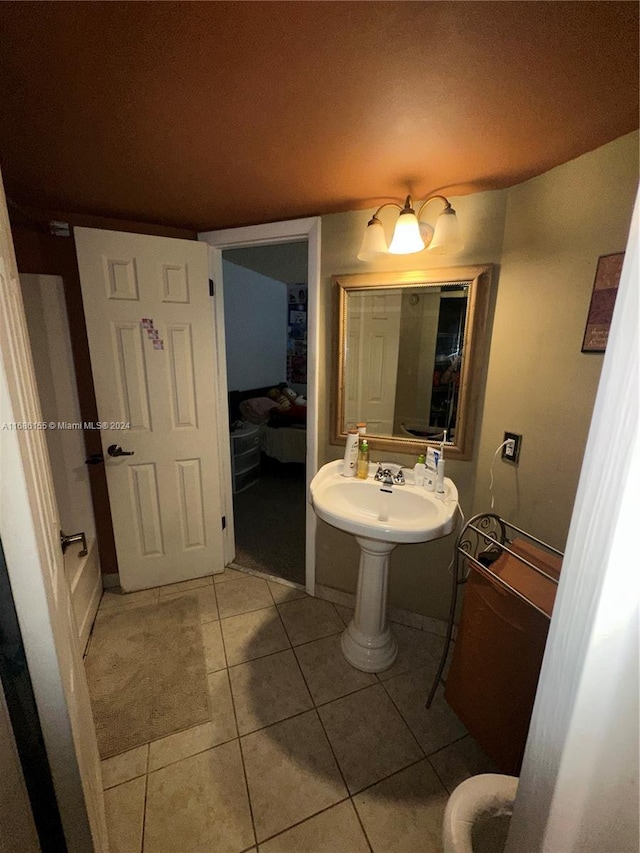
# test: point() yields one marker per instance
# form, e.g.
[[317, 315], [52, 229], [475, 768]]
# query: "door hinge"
[[224, 522], [211, 287], [59, 229]]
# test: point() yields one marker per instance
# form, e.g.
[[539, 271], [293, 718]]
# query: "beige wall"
[[545, 237], [539, 383], [419, 580]]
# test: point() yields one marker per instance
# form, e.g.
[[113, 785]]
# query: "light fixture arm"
[[386, 204], [408, 205], [447, 203]]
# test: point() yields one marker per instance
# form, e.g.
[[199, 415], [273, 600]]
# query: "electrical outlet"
[[511, 450]]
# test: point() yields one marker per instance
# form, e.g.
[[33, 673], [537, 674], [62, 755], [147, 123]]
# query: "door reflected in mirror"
[[409, 347]]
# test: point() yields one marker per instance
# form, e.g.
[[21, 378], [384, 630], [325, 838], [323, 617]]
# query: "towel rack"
[[480, 542]]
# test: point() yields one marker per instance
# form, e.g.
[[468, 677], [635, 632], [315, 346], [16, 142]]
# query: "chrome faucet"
[[386, 476]]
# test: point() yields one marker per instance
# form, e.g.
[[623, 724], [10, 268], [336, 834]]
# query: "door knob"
[[65, 541], [116, 450]]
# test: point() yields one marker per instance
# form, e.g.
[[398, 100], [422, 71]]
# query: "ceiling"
[[215, 114]]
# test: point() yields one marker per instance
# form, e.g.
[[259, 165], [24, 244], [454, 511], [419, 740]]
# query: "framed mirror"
[[409, 357]]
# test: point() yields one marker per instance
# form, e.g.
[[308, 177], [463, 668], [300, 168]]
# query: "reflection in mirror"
[[407, 356]]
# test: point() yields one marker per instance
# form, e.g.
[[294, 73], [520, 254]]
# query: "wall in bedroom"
[[255, 322]]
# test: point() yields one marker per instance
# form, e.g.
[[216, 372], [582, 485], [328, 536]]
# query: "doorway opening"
[[266, 338], [274, 234]]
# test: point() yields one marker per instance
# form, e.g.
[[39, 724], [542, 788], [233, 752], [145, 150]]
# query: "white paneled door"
[[151, 338], [374, 331]]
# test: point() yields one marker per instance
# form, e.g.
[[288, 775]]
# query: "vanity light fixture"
[[410, 234]]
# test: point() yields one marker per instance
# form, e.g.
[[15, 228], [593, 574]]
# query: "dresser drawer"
[[249, 459], [240, 443], [245, 479]]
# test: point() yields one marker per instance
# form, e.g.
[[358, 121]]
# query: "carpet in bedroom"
[[269, 520]]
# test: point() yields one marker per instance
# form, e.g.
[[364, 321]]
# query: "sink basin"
[[393, 514]]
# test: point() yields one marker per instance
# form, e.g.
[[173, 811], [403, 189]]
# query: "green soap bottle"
[[362, 471]]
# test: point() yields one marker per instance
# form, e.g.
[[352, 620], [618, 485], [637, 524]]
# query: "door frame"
[[294, 230], [45, 618]]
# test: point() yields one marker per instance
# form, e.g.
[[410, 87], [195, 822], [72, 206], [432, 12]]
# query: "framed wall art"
[[603, 300]]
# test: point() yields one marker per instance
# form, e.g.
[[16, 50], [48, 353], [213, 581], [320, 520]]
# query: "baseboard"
[[395, 614], [348, 599]]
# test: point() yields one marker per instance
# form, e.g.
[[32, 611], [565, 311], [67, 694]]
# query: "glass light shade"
[[446, 237], [374, 241], [426, 232], [406, 236]]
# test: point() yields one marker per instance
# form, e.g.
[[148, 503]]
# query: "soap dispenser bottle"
[[418, 471], [363, 460], [350, 461]]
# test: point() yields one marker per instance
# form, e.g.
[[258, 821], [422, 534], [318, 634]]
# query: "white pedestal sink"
[[380, 517]]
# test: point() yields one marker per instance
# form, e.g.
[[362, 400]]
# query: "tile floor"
[[303, 753]]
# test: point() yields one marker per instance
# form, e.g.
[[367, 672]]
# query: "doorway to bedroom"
[[265, 319]]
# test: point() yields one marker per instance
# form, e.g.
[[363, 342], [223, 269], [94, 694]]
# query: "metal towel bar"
[[486, 534]]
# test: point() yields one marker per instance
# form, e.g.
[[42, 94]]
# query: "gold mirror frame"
[[478, 279]]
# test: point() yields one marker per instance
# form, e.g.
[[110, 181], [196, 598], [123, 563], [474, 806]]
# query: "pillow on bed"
[[256, 409]]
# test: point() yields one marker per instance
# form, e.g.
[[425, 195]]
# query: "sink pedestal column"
[[367, 642]]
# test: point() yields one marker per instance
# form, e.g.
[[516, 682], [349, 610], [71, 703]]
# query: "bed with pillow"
[[281, 415]]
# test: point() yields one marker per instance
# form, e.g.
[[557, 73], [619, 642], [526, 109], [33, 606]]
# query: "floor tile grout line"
[[403, 718], [304, 820], [421, 758], [290, 716], [359, 819], [305, 642], [239, 663], [286, 633], [185, 591], [390, 776], [324, 731], [438, 776], [244, 768], [447, 745], [191, 754], [243, 612], [261, 656], [144, 808], [334, 698], [344, 781], [317, 639], [406, 722]]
